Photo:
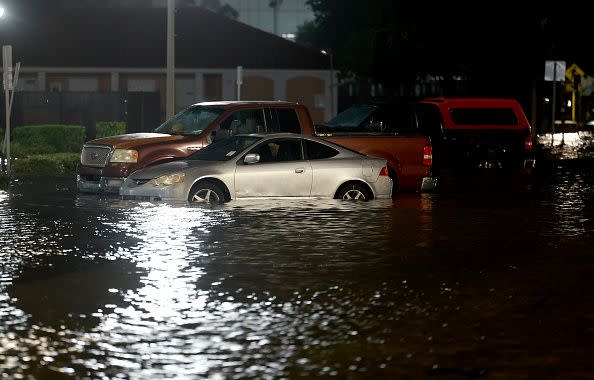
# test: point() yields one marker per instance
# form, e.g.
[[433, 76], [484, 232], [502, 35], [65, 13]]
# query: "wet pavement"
[[489, 278]]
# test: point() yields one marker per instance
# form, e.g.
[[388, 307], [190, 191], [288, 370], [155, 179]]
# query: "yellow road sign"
[[574, 70]]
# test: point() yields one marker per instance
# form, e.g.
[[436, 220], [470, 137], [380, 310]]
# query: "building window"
[[83, 84], [55, 86], [213, 87], [142, 85]]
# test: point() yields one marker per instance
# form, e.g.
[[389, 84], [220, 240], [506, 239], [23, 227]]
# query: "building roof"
[[136, 38]]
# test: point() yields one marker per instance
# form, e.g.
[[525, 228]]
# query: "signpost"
[[239, 81], [554, 72], [9, 85]]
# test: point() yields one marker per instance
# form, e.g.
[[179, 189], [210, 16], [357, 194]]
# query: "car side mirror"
[[251, 158]]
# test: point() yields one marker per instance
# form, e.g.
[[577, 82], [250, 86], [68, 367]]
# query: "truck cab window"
[[286, 120], [243, 122]]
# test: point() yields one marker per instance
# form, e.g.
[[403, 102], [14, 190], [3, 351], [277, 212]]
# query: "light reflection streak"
[[153, 323], [566, 145]]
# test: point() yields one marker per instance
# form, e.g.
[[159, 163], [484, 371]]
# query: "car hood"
[[155, 171], [132, 140]]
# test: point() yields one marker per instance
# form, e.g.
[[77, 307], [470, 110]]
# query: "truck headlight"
[[124, 156], [168, 179]]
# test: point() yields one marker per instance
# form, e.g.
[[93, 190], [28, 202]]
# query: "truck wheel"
[[206, 192], [354, 192]]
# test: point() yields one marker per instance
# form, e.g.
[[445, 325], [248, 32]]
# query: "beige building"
[[108, 50]]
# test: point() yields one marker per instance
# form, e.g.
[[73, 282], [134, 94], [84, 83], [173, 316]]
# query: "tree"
[[222, 9], [397, 42], [370, 41]]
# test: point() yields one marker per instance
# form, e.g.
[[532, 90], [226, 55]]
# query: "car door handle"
[[299, 170]]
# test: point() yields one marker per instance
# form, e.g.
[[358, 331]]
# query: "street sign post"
[[239, 81], [554, 72], [9, 84]]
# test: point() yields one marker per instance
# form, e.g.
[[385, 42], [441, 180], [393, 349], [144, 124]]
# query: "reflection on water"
[[463, 283], [568, 145]]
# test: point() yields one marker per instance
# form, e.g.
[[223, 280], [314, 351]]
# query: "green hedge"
[[56, 163], [109, 128], [43, 139]]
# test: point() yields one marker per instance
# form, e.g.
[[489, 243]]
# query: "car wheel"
[[206, 192], [354, 192]]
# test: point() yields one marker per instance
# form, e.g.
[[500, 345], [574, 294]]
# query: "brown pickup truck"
[[106, 162]]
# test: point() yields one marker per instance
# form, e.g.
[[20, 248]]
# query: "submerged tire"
[[206, 192], [354, 192]]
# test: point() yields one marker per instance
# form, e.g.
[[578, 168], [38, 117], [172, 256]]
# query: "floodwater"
[[491, 278]]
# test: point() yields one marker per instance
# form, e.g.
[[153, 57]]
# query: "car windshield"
[[226, 149], [352, 117], [191, 121]]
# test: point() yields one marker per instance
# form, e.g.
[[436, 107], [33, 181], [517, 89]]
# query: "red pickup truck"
[[477, 133], [106, 162]]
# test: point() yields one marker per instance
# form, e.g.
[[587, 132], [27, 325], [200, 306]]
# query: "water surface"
[[489, 278]]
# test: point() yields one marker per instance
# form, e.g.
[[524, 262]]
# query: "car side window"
[[285, 120], [280, 150], [318, 151]]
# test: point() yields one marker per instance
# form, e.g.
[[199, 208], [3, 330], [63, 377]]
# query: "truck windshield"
[[225, 149], [191, 121]]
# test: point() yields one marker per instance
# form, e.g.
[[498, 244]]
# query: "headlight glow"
[[168, 179], [124, 156]]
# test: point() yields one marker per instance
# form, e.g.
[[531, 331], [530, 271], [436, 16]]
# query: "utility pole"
[[170, 91], [275, 4], [328, 52]]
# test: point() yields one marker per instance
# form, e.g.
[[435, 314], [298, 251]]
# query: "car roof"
[[460, 102], [269, 136], [248, 103], [276, 135]]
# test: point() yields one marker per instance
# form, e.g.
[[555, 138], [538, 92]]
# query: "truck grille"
[[96, 156]]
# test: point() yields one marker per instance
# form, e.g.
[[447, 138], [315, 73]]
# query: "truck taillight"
[[427, 155], [384, 171], [528, 143]]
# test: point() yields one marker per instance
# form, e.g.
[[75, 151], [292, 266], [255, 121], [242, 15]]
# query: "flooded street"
[[484, 279]]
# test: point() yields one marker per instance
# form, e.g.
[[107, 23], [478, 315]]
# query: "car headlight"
[[168, 179], [124, 156]]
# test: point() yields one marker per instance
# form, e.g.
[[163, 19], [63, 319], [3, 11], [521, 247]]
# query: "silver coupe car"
[[263, 165]]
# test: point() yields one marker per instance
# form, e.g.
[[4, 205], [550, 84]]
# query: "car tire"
[[354, 192], [206, 192]]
